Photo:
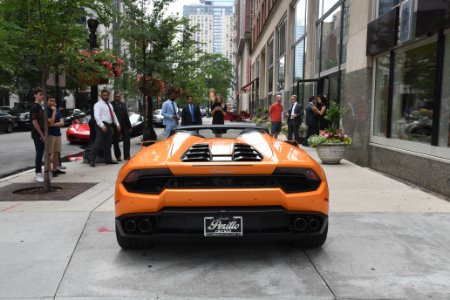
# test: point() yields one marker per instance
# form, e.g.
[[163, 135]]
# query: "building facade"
[[386, 62], [216, 27]]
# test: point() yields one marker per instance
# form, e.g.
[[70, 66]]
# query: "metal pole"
[[92, 24]]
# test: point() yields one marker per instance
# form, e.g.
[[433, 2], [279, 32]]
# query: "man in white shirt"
[[105, 119]]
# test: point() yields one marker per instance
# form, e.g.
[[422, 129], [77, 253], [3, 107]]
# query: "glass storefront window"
[[413, 98], [282, 39], [444, 119], [281, 73], [270, 65], [331, 28], [270, 53], [381, 96], [317, 47], [326, 5], [386, 5], [270, 83], [299, 33], [300, 19], [345, 31], [299, 61]]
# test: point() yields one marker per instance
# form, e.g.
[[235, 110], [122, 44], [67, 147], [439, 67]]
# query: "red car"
[[79, 132]]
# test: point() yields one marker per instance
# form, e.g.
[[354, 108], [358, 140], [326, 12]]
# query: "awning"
[[248, 84]]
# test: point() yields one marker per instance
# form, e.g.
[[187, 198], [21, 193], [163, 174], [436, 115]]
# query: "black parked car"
[[6, 109], [72, 115], [21, 112], [137, 124], [7, 122]]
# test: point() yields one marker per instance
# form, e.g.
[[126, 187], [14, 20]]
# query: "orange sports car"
[[221, 182]]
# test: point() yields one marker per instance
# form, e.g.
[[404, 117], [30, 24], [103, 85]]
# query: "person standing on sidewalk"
[[190, 115], [275, 112], [37, 132], [121, 112], [169, 110], [219, 111], [295, 118], [312, 122], [105, 119], [55, 122]]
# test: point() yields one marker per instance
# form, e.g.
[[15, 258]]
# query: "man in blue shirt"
[[55, 122], [169, 110]]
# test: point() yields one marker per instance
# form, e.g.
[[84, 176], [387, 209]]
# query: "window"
[[414, 90], [282, 56], [299, 60], [386, 5], [270, 65], [281, 73], [345, 32], [444, 123], [325, 6], [381, 96], [299, 33], [331, 29], [300, 20]]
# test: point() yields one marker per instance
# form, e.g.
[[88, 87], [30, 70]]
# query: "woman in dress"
[[322, 106], [218, 110]]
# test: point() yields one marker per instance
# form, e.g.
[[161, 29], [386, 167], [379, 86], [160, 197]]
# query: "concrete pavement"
[[387, 240]]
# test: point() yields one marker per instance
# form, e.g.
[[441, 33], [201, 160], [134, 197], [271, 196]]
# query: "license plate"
[[223, 226]]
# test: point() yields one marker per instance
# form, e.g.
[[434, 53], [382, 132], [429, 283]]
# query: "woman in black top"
[[218, 110], [322, 106]]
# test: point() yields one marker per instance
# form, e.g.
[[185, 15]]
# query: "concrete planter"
[[331, 154]]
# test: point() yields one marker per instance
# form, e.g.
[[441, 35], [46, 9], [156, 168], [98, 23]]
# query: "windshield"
[[221, 131], [85, 120]]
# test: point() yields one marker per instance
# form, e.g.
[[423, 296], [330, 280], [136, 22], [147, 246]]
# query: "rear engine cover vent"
[[244, 152], [198, 152]]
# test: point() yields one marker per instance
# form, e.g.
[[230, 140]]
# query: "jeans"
[[40, 146]]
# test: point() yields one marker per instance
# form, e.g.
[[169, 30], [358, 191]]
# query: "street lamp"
[[93, 24]]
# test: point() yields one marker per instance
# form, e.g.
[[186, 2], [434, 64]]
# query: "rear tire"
[[127, 243], [313, 241]]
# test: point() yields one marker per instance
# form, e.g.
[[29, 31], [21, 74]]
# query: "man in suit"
[[294, 118], [190, 115], [105, 119], [121, 112], [169, 110]]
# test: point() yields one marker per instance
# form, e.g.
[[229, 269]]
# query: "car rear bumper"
[[182, 223]]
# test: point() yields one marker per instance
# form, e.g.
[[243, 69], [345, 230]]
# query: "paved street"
[[387, 240], [17, 151]]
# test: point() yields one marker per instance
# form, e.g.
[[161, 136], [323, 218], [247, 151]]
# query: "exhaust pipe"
[[130, 226], [144, 225], [314, 224], [300, 224]]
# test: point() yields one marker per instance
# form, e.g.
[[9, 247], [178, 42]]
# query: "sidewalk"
[[387, 240]]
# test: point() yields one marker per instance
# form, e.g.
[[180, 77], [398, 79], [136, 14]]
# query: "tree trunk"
[[47, 179]]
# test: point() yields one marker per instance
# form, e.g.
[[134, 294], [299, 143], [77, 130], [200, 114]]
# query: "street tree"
[[149, 35], [50, 35]]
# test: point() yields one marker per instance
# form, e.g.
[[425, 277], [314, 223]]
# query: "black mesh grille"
[[244, 152], [198, 152]]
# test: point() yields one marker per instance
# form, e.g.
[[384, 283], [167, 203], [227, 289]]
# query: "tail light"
[[297, 180], [147, 181]]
